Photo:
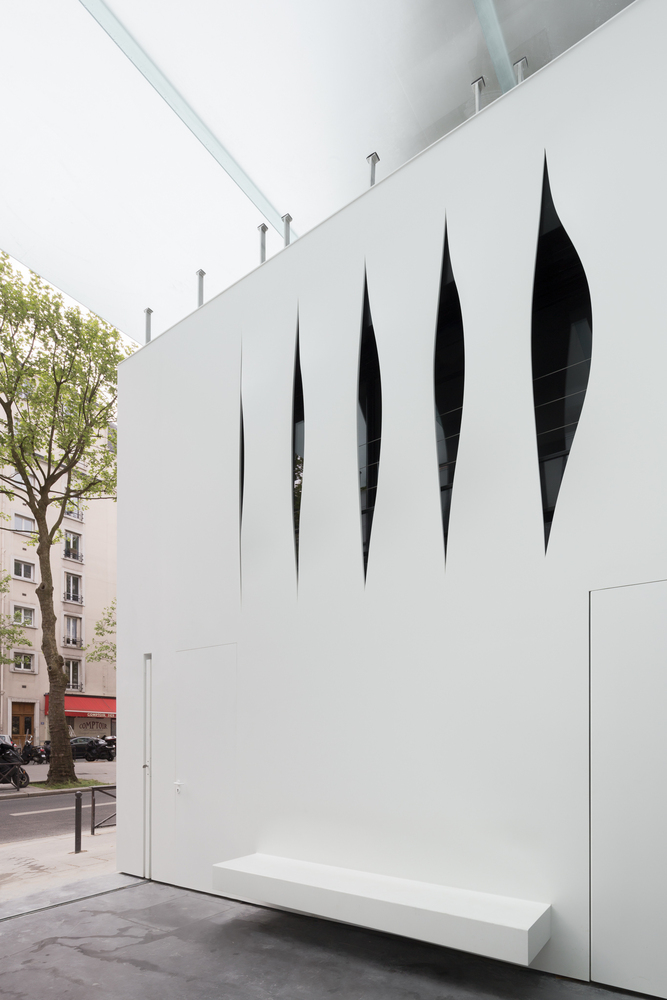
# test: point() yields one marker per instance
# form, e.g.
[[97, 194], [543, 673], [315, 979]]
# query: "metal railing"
[[73, 554], [103, 822], [78, 514], [73, 598], [72, 640], [74, 687], [110, 791]]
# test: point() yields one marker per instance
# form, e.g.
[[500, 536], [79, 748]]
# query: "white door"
[[205, 768], [629, 787]]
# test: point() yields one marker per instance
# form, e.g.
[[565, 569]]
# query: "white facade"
[[430, 724]]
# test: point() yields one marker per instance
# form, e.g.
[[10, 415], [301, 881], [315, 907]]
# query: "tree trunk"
[[61, 768]]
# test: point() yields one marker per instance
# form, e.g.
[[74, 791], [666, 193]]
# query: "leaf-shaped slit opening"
[[369, 424], [448, 382], [298, 442], [241, 463], [562, 338]]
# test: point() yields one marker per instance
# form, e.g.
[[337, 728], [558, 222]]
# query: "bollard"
[[372, 158], [77, 822], [92, 812]]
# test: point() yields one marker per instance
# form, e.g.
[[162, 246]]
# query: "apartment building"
[[84, 573]]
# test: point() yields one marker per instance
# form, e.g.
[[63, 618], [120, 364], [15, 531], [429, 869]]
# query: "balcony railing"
[[78, 514], [74, 687], [72, 640], [74, 598], [73, 554]]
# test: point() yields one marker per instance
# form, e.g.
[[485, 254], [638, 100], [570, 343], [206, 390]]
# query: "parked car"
[[92, 748]]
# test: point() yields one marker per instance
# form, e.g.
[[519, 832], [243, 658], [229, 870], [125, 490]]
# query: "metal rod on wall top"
[[200, 288], [372, 158], [520, 68], [262, 242], [477, 91], [286, 223], [149, 313]]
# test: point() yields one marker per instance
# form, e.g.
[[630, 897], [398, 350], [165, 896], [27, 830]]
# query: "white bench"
[[513, 930]]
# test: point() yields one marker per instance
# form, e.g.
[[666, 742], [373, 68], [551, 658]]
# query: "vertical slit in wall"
[[448, 380], [241, 465], [298, 439], [369, 424], [562, 326]]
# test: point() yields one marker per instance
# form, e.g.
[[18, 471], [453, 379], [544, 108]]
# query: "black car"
[[91, 747]]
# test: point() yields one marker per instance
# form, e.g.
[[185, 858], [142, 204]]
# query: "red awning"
[[87, 707]]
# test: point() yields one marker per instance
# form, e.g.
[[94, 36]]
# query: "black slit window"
[[369, 424], [241, 465], [448, 375], [297, 444], [561, 349]]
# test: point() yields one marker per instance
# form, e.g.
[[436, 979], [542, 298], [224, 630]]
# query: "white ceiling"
[[107, 194]]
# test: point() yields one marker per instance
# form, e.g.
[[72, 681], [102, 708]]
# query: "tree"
[[57, 439], [104, 648], [11, 630]]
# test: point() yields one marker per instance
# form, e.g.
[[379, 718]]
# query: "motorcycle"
[[31, 754], [11, 772], [98, 749]]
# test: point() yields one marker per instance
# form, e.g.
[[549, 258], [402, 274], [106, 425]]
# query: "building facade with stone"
[[84, 574]]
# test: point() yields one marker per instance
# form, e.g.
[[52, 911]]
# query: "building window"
[[448, 375], [73, 590], [561, 349], [369, 424], [297, 444], [25, 570], [73, 546], [72, 635], [74, 675], [73, 510], [24, 616], [23, 523], [24, 661], [18, 478]]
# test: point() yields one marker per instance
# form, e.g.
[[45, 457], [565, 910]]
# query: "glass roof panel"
[[108, 195]]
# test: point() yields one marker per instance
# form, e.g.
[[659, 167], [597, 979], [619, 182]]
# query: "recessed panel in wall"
[[629, 787]]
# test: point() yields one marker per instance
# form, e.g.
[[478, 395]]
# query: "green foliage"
[[57, 439], [103, 648], [11, 632], [57, 398]]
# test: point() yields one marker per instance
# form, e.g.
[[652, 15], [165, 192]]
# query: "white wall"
[[432, 724]]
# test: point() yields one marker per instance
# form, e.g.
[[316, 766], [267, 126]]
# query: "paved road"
[[47, 816], [100, 770]]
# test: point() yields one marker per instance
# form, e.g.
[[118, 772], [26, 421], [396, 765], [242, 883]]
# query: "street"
[[48, 815]]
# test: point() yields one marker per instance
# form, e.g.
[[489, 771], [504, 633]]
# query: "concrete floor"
[[158, 942]]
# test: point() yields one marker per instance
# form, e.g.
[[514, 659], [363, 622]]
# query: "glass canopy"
[[110, 192]]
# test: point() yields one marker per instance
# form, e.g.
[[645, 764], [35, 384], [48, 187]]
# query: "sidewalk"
[[29, 866]]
